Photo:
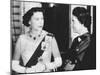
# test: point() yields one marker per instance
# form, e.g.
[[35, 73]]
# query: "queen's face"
[[37, 21], [76, 25]]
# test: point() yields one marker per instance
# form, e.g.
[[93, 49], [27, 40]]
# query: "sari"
[[77, 52]]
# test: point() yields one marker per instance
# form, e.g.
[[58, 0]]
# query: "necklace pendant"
[[34, 38]]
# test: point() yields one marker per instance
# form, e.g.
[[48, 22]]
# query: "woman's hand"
[[30, 70], [69, 66], [40, 67], [50, 66]]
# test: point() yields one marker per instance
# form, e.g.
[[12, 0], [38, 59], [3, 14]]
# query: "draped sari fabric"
[[79, 46], [78, 50]]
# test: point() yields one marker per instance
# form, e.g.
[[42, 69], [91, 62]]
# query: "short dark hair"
[[27, 16], [83, 16]]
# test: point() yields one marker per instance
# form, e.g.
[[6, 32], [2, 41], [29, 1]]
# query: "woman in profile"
[[81, 21], [36, 46]]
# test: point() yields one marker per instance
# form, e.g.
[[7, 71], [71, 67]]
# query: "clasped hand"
[[39, 67]]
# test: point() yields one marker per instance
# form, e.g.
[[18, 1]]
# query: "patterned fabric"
[[80, 44], [78, 49]]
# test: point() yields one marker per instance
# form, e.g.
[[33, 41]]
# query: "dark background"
[[57, 22]]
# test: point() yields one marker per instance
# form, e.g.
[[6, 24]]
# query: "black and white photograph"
[[49, 37]]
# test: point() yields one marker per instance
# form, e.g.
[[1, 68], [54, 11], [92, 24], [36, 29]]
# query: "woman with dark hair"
[[81, 21], [36, 46]]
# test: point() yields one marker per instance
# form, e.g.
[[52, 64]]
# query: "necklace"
[[34, 37]]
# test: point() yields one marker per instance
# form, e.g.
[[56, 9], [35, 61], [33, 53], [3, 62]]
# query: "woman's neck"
[[83, 30], [35, 32]]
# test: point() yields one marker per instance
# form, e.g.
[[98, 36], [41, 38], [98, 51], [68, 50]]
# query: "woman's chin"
[[39, 30]]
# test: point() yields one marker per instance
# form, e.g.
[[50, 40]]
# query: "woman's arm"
[[39, 67], [56, 54], [17, 68], [16, 59]]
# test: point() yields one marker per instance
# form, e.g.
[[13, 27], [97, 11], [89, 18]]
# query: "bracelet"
[[25, 70], [45, 66]]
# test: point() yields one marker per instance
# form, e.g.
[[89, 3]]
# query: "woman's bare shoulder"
[[22, 36], [48, 33]]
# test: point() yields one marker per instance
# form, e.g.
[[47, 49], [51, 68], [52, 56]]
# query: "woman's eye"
[[37, 19], [72, 20]]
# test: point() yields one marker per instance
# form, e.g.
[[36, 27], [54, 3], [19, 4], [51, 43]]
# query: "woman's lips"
[[40, 26]]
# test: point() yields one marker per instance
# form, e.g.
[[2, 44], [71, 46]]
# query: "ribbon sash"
[[38, 52]]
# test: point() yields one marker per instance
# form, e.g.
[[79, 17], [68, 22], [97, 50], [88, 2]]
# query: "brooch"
[[79, 39], [44, 46]]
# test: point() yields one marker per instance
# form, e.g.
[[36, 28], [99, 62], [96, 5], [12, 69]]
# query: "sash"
[[34, 58]]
